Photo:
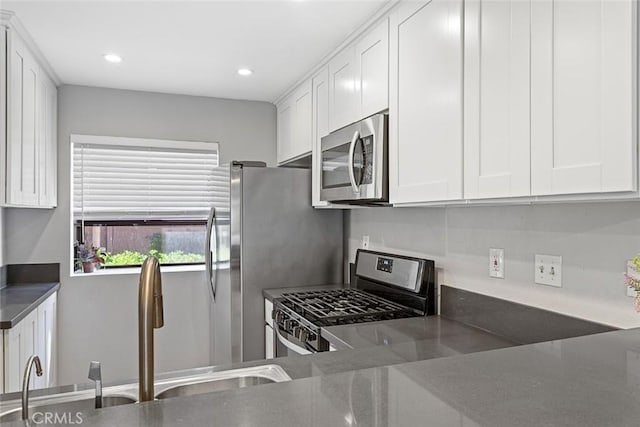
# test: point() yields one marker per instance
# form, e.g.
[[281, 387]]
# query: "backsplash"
[[594, 240]]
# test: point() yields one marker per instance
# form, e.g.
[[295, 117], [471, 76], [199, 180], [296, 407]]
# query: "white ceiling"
[[190, 47]]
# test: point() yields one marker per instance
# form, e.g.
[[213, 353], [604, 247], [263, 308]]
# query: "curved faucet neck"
[[150, 316]]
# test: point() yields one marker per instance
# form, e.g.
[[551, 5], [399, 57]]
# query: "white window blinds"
[[131, 178]]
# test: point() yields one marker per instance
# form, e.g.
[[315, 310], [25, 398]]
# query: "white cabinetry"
[[19, 345], [496, 99], [28, 145], [425, 117], [295, 124], [46, 341], [34, 334], [583, 89], [320, 84], [359, 78], [269, 350], [47, 143], [23, 132]]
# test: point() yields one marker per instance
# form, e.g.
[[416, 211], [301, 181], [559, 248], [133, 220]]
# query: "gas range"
[[387, 286]]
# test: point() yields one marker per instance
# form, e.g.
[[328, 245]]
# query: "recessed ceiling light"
[[112, 57], [245, 72]]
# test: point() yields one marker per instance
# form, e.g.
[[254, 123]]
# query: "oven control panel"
[[384, 264]]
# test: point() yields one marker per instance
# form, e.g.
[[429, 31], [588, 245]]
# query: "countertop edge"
[[8, 324]]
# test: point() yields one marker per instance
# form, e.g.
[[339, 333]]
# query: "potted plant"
[[632, 280], [90, 257]]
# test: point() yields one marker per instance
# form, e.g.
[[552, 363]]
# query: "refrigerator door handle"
[[211, 248]]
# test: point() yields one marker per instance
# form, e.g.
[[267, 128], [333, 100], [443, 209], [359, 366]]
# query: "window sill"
[[136, 270]]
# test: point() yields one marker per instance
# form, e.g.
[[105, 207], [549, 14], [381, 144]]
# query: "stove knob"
[[296, 331]]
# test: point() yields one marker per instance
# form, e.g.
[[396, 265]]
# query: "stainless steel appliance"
[[355, 164], [387, 286], [264, 235]]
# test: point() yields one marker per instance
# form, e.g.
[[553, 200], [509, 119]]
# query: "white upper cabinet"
[[320, 83], [47, 143], [22, 132], [28, 145], [583, 89], [343, 91], [359, 78], [496, 99], [425, 103], [295, 128], [373, 65]]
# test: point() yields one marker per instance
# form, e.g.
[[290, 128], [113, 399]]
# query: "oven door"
[[354, 162], [286, 344]]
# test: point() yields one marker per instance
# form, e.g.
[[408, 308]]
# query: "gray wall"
[[594, 240], [97, 315]]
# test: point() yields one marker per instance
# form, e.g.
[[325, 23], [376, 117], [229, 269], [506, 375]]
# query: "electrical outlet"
[[633, 272], [365, 242], [496, 263]]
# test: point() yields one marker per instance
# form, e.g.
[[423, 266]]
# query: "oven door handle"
[[290, 342], [352, 151]]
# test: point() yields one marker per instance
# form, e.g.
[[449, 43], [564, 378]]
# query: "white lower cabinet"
[[35, 334], [425, 103], [269, 350], [268, 342]]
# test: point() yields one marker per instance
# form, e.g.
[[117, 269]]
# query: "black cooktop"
[[343, 306]]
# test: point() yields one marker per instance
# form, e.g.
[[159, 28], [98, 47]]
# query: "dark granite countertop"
[[588, 381], [442, 335], [17, 301]]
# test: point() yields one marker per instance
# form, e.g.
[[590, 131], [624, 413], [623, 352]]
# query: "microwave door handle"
[[352, 150], [211, 223]]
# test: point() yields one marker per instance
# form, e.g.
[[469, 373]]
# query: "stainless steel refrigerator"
[[265, 234]]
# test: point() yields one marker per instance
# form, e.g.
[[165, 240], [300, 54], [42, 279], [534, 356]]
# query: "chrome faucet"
[[25, 383], [150, 316], [95, 374]]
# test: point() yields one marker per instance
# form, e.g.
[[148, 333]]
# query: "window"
[[134, 197]]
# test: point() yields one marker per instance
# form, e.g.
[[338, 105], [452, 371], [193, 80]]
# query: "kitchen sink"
[[68, 408], [205, 381], [211, 386], [225, 380]]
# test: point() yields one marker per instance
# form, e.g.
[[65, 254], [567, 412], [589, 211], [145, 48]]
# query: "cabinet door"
[[496, 95], [425, 136], [46, 339], [320, 84], [20, 344], [268, 342], [343, 89], [3, 115], [373, 70], [583, 96], [22, 161], [47, 142], [285, 129], [303, 120]]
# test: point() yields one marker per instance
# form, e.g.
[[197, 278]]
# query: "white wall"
[[594, 240], [97, 315]]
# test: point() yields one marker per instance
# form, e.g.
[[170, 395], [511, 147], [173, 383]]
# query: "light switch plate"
[[633, 272], [365, 242], [548, 270], [496, 263]]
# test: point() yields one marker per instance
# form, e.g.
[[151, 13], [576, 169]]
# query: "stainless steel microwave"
[[355, 164]]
